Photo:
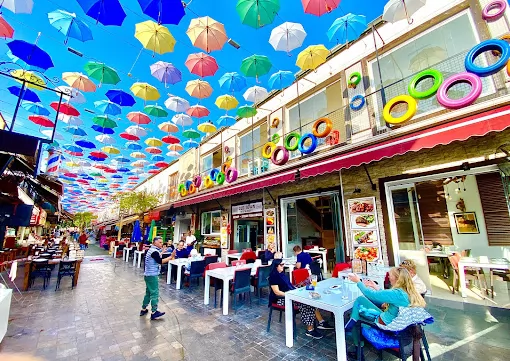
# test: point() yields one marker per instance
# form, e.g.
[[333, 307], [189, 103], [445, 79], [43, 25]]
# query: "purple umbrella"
[[166, 72]]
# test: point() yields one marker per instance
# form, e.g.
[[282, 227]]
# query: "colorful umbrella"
[[6, 30], [154, 37], [226, 102], [138, 155], [191, 133], [72, 149], [198, 111], [101, 72], [207, 34], [28, 94], [79, 81], [226, 121], [157, 158], [182, 119], [35, 108], [163, 11], [175, 147], [31, 54], [257, 13], [138, 118], [199, 89], [161, 164], [144, 91], [31, 80], [111, 150], [255, 66], [128, 136], [19, 6], [173, 153], [140, 163], [70, 26], [207, 127], [106, 12], [153, 150], [287, 37], [105, 139], [246, 111], [232, 82], [123, 169], [136, 131], [168, 127], [255, 94], [78, 132], [166, 72], [170, 139], [104, 121], [107, 107], [347, 28], [102, 130], [396, 10], [201, 64], [153, 142], [177, 104], [155, 111], [85, 144], [99, 155], [281, 79], [191, 143], [133, 146], [121, 159], [120, 97], [70, 120], [319, 7], [312, 57], [41, 120], [64, 108], [71, 95]]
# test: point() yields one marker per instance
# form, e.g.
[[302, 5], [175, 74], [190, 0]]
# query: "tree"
[[83, 219], [137, 202]]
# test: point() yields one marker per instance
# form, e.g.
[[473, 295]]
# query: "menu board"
[[364, 229], [224, 231], [270, 227]]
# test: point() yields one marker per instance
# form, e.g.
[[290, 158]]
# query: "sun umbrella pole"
[[18, 103], [383, 95]]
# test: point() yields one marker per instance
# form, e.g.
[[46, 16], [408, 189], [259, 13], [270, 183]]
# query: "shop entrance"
[[249, 234]]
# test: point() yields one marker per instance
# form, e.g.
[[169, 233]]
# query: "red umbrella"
[[92, 189], [6, 30], [74, 154], [319, 7], [83, 181], [201, 64], [138, 118], [65, 108], [41, 120], [71, 175], [133, 177], [198, 111], [128, 136], [100, 155], [153, 171], [161, 164], [153, 150], [110, 170], [170, 139]]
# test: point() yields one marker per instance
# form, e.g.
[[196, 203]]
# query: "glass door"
[[290, 230]]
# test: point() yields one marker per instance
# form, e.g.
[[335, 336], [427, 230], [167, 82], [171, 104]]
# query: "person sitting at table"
[[193, 256], [303, 259], [280, 283], [420, 286], [278, 255], [179, 252], [270, 251], [190, 241]]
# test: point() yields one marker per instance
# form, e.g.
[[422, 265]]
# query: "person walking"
[[153, 262]]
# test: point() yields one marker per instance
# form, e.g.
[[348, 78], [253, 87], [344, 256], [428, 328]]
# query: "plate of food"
[[364, 237], [368, 254], [270, 221], [361, 206], [363, 221], [269, 213]]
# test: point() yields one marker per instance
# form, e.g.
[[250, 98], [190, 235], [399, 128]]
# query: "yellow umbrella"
[[175, 147], [199, 89], [110, 150], [207, 34], [138, 155], [207, 127], [154, 37], [312, 57], [72, 164], [154, 142], [36, 82], [226, 102], [145, 91], [168, 127], [102, 180], [79, 81]]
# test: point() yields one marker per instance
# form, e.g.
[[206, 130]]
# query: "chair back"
[[248, 255], [454, 261], [263, 272], [232, 251], [339, 267], [197, 268], [299, 276], [238, 262], [315, 269], [67, 266], [41, 265], [242, 280], [216, 265], [247, 250], [210, 259]]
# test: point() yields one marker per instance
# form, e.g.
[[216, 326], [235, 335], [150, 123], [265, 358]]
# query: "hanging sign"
[[247, 210], [270, 227]]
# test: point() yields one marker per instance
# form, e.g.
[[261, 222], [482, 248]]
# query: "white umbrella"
[[183, 120], [137, 171], [70, 120], [177, 104], [136, 131], [19, 6], [144, 175], [255, 94], [105, 139], [71, 94], [49, 132], [287, 37], [173, 153], [396, 10], [83, 163]]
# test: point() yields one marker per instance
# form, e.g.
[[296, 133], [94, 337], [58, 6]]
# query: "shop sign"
[[42, 218], [366, 244], [35, 216], [270, 227], [224, 230], [154, 216], [247, 210]]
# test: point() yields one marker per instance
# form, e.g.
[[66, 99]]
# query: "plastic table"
[[464, 263], [138, 256], [179, 262], [5, 307]]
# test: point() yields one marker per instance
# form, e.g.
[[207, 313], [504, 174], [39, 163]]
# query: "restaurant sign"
[[249, 210], [35, 216]]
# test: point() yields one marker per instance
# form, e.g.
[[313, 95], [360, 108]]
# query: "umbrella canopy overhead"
[[138, 118], [232, 82], [255, 94], [102, 73], [104, 121], [67, 24], [257, 13], [246, 111], [156, 111], [35, 108], [163, 11], [144, 91], [199, 89], [70, 120], [226, 102], [201, 64], [207, 34], [191, 133], [71, 95], [41, 120], [198, 111], [27, 94], [347, 28], [319, 7], [107, 107], [287, 37], [207, 127], [120, 97], [31, 54], [168, 127], [226, 121], [166, 73], [29, 78], [182, 120], [312, 57], [79, 81], [154, 37], [19, 6], [396, 10], [281, 79], [177, 104], [106, 12], [255, 66], [170, 139], [6, 30]]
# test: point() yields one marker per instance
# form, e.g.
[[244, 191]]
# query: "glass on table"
[[314, 281]]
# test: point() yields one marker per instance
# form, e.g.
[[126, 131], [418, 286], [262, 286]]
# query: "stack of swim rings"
[[441, 87], [227, 173], [280, 155]]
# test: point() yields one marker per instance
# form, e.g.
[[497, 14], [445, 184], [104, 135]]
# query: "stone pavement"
[[99, 321]]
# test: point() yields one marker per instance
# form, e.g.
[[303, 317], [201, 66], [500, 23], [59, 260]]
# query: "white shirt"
[[419, 284], [190, 240]]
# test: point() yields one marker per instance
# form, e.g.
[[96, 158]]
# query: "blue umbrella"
[[347, 28], [102, 130], [75, 131], [137, 232], [28, 94], [96, 159], [72, 148], [35, 108], [31, 54], [117, 176], [232, 82], [191, 143], [157, 158], [85, 144], [107, 107], [152, 167], [226, 121], [88, 178], [124, 170], [69, 25], [163, 11], [21, 63], [106, 12], [120, 97], [122, 159], [133, 146], [281, 79]]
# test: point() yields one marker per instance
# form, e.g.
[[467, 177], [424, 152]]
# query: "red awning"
[[250, 185], [459, 130]]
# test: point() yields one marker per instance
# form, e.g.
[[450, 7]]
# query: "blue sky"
[[117, 47]]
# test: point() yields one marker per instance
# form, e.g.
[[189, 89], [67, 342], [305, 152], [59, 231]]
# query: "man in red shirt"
[[83, 240]]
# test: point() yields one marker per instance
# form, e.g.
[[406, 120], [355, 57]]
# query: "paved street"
[[99, 321]]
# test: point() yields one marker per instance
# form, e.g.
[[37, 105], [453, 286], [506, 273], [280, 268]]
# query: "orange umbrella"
[[207, 34], [168, 127], [6, 30], [199, 89], [198, 111], [175, 147]]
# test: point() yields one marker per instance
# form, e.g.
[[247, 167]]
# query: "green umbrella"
[[101, 72], [246, 111], [257, 13], [104, 121], [152, 231], [256, 65], [95, 174], [155, 111], [191, 133]]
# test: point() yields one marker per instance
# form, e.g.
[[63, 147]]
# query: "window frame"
[[209, 232]]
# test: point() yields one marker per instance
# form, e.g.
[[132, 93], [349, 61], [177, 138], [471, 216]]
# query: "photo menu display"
[[364, 229], [270, 227]]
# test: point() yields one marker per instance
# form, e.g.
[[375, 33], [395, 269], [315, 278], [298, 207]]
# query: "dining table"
[[336, 295], [179, 262], [28, 263], [482, 262]]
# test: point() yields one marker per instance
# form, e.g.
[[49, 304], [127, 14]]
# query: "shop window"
[[443, 48], [250, 160], [211, 222], [211, 161], [173, 183]]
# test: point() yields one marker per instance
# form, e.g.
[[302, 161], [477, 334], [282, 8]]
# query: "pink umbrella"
[[201, 64], [153, 150], [6, 30], [198, 111], [138, 118], [319, 7]]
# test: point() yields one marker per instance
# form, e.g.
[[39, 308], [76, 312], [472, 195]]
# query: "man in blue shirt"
[[179, 252], [303, 259]]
